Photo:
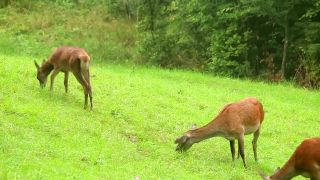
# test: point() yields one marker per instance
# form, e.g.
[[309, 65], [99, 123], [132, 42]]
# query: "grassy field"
[[138, 112]]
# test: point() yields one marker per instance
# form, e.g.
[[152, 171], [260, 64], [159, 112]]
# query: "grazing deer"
[[234, 122], [305, 161], [65, 59]]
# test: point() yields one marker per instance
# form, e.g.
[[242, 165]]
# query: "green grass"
[[39, 30], [138, 113]]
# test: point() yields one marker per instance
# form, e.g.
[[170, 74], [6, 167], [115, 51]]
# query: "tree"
[[247, 38]]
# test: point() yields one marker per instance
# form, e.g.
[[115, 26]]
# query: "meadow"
[[138, 111]]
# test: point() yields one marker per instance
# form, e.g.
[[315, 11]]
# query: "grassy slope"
[[39, 30], [137, 115]]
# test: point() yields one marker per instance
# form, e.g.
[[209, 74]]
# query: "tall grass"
[[47, 25]]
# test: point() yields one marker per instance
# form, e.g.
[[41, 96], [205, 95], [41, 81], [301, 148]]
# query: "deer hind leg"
[[254, 143], [315, 175], [241, 148], [84, 84], [86, 75], [232, 148], [53, 75]]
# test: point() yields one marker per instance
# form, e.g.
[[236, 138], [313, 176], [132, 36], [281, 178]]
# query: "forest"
[[257, 39]]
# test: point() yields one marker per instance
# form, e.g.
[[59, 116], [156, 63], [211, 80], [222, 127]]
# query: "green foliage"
[[234, 38], [308, 73], [175, 38], [124, 8]]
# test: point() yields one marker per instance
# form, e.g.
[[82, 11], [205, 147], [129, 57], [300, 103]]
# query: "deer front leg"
[[241, 147], [238, 151], [66, 76], [232, 149], [53, 75]]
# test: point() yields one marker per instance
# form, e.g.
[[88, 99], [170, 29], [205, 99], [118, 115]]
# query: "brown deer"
[[65, 59], [234, 122], [305, 161]]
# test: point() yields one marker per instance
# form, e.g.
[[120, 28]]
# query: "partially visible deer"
[[304, 161], [65, 59], [234, 122]]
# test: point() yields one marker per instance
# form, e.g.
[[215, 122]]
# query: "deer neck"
[[46, 68], [286, 172], [208, 131]]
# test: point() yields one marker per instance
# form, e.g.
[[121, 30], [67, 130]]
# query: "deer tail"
[[84, 64]]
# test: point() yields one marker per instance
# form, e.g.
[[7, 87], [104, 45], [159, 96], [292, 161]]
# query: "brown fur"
[[304, 161], [67, 59], [233, 122]]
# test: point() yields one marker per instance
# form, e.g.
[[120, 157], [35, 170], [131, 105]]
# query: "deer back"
[[66, 57], [246, 114]]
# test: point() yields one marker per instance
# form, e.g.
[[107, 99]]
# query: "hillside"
[[138, 112]]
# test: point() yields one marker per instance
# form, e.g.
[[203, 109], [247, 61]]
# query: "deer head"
[[41, 76], [186, 141], [265, 177]]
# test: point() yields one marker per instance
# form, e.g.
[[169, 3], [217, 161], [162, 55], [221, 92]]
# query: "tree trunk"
[[152, 14], [285, 47], [126, 4], [4, 3]]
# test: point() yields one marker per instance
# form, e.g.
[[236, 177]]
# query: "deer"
[[233, 122], [65, 59], [304, 161]]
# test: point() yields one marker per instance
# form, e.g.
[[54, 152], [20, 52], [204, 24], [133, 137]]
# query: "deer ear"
[[37, 65], [194, 126]]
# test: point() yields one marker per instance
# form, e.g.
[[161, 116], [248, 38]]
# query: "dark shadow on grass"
[[62, 98]]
